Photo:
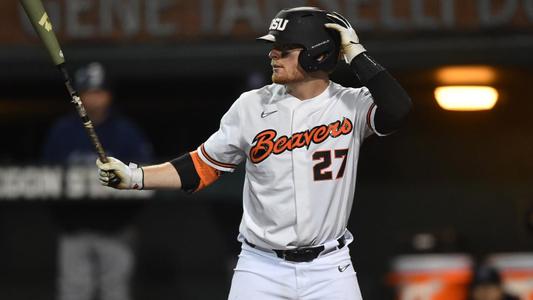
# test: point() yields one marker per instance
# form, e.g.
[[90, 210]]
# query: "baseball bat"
[[42, 25]]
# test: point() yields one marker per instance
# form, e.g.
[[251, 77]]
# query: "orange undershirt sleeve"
[[207, 174]]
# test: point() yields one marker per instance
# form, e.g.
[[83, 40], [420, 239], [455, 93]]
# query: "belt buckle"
[[299, 255]]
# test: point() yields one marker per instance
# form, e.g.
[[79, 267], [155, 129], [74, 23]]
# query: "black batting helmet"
[[304, 26], [91, 77]]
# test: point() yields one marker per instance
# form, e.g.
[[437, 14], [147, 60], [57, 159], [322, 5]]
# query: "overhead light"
[[466, 98]]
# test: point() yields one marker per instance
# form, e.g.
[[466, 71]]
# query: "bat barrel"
[[43, 26]]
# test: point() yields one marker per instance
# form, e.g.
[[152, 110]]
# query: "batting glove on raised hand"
[[350, 46], [116, 174]]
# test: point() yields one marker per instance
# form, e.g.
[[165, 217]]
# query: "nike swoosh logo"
[[266, 114], [342, 269]]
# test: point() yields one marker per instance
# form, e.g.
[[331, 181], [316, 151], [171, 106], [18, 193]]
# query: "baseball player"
[[300, 138]]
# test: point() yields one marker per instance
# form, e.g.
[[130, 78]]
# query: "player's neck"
[[308, 88]]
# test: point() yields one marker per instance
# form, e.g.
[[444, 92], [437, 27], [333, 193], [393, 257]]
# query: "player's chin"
[[276, 78]]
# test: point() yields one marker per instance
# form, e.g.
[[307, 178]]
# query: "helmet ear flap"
[[308, 59], [307, 62]]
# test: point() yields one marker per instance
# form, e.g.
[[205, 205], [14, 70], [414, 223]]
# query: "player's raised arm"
[[392, 102]]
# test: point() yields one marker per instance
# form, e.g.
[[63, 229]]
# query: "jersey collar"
[[326, 94]]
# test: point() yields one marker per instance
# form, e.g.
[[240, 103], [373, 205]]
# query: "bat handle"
[[87, 123], [96, 142]]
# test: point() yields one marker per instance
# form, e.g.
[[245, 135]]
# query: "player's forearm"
[[392, 102], [161, 176], [187, 172]]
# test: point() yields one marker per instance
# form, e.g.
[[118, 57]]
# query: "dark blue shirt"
[[68, 143]]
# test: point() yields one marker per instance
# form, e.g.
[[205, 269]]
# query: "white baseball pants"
[[261, 275]]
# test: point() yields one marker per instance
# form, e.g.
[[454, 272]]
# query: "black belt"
[[302, 254]]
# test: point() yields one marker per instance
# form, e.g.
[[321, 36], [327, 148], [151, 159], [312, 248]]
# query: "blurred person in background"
[[487, 285], [95, 253]]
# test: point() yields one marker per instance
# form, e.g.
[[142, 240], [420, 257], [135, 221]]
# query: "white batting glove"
[[117, 175], [350, 46]]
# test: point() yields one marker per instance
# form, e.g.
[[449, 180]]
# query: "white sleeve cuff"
[[225, 167], [370, 120]]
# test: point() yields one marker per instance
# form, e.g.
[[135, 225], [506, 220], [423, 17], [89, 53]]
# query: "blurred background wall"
[[449, 182]]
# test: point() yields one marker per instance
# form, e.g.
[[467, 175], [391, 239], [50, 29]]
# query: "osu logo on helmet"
[[278, 24]]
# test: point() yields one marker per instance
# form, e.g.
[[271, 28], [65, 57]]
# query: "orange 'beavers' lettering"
[[265, 142]]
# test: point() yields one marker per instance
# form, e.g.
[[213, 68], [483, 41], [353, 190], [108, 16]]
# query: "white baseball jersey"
[[301, 161]]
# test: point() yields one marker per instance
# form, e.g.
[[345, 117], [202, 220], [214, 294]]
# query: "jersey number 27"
[[321, 170]]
